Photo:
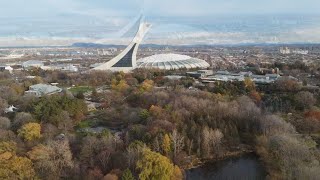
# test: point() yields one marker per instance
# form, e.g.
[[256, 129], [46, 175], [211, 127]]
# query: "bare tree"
[[3, 105], [272, 124], [205, 142], [21, 119], [134, 153], [211, 140], [156, 145], [53, 160], [177, 142], [305, 99], [4, 123]]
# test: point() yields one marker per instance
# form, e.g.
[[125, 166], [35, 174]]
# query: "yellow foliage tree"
[[8, 146], [30, 131], [147, 85], [156, 111], [154, 166], [249, 84], [166, 144], [177, 174], [13, 166], [120, 86]]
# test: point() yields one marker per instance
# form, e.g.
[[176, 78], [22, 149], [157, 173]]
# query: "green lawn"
[[80, 89]]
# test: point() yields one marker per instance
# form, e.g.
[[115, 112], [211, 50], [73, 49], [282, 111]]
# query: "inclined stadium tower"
[[127, 59]]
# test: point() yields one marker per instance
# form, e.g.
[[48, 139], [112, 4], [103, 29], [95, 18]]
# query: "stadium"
[[171, 61]]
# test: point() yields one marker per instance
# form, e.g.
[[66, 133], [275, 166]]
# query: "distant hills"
[[95, 45]]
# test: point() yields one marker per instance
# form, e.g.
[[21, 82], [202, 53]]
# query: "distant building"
[[299, 51], [6, 68], [32, 63], [265, 79], [69, 67], [285, 50], [42, 89], [95, 65], [200, 73], [226, 76], [174, 77], [61, 67]]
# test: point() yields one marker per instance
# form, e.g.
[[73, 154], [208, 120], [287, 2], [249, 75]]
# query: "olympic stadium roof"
[[171, 61]]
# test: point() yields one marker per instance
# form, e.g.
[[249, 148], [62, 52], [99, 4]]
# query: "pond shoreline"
[[239, 165], [197, 162]]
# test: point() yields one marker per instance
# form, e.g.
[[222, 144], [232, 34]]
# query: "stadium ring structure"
[[171, 61]]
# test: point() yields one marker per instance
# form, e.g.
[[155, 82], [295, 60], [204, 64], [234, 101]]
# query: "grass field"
[[80, 89]]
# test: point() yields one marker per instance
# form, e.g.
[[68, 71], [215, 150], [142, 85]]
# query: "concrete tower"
[[126, 60]]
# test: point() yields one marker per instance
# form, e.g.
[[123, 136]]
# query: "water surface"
[[246, 167]]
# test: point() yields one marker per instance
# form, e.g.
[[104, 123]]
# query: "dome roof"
[[171, 61]]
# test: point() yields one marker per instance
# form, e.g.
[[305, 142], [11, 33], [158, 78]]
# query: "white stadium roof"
[[171, 61]]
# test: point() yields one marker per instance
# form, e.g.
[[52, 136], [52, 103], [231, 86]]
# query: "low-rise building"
[[230, 77], [42, 89], [6, 68], [200, 73], [32, 63]]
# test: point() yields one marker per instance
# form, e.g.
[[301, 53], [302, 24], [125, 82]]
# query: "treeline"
[[151, 132]]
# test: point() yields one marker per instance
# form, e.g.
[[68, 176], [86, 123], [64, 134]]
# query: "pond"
[[246, 167]]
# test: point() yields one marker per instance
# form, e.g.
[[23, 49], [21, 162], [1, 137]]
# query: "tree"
[[21, 119], [49, 109], [156, 111], [177, 174], [8, 94], [249, 84], [3, 105], [30, 131], [272, 125], [177, 142], [5, 123], [52, 159], [154, 166], [287, 84], [305, 99], [210, 141], [146, 86], [13, 166], [80, 95], [120, 86], [166, 144], [255, 96], [144, 114], [127, 175], [134, 152], [110, 176]]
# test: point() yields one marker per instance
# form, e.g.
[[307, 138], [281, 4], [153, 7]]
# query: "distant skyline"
[[63, 22]]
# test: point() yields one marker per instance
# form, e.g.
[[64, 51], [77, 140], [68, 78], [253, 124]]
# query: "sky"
[[61, 22]]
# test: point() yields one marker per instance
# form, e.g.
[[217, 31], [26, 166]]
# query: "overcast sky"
[[43, 8], [93, 20]]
